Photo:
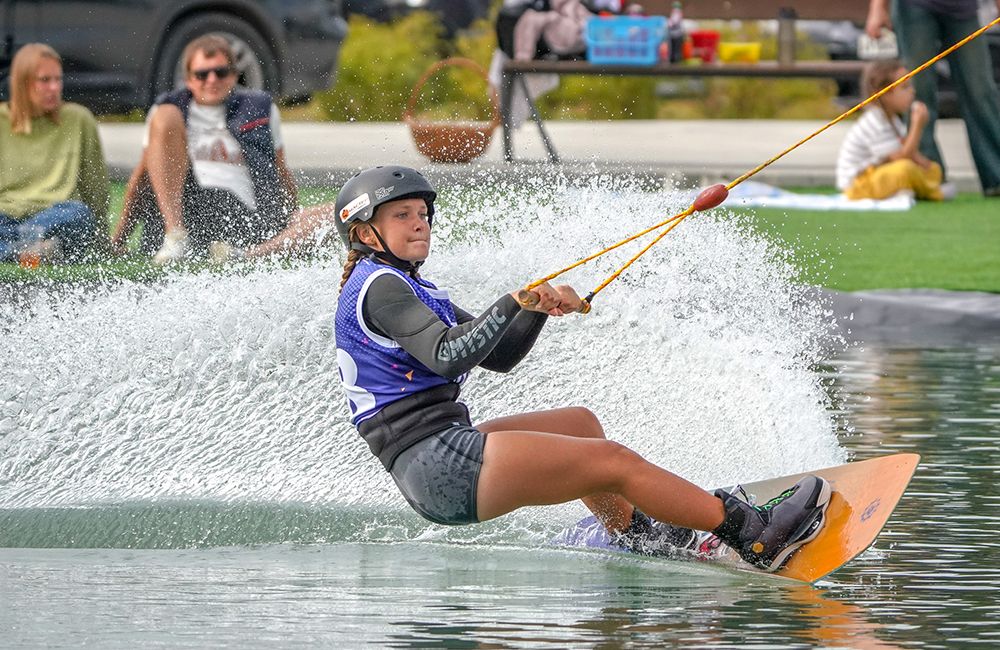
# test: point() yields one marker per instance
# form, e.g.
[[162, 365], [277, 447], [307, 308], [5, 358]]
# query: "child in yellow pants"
[[880, 156], [882, 181]]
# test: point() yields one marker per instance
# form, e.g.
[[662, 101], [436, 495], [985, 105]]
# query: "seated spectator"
[[879, 156], [213, 163], [308, 229], [522, 28], [53, 179], [530, 30]]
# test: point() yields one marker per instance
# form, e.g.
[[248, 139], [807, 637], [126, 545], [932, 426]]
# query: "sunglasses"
[[220, 73]]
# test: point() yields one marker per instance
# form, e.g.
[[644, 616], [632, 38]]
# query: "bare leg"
[[522, 468], [611, 509], [528, 30], [167, 160], [300, 233]]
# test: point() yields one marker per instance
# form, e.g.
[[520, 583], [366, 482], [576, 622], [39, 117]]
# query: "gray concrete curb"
[[917, 316]]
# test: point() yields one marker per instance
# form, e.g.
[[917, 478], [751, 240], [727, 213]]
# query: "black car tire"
[[255, 60]]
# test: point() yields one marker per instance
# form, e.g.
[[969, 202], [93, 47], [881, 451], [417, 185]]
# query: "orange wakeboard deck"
[[864, 495]]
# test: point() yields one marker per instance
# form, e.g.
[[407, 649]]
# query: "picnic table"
[[786, 66], [515, 71]]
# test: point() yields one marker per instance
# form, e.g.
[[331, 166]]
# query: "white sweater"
[[871, 140]]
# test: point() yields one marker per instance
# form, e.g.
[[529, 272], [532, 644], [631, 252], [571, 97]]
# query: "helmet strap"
[[386, 255]]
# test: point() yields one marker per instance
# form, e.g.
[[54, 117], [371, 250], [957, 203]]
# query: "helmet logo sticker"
[[352, 208], [383, 192]]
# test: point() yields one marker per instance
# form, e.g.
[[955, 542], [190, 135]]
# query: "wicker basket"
[[451, 141]]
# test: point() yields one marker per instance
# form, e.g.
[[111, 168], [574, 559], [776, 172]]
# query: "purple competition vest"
[[375, 370]]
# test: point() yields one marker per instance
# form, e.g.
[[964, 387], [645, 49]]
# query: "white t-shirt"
[[216, 156], [872, 139]]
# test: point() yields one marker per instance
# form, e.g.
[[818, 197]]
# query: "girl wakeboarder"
[[404, 349]]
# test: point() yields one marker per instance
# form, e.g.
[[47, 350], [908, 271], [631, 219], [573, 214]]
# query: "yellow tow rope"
[[713, 196]]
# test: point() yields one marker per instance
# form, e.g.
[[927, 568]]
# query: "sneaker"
[[221, 252], [767, 535], [948, 191], [176, 247], [43, 251]]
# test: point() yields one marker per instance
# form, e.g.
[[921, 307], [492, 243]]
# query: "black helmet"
[[362, 195]]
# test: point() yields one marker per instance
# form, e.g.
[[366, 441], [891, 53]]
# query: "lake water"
[[176, 469]]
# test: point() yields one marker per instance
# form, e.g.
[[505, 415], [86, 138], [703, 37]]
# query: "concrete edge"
[[919, 316]]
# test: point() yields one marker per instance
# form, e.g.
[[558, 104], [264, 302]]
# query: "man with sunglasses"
[[213, 164]]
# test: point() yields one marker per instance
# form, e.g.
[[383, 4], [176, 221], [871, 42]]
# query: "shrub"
[[381, 63]]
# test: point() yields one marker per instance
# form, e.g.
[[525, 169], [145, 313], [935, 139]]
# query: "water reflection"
[[635, 604], [937, 571], [929, 582]]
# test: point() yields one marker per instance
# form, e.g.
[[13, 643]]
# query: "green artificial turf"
[[953, 245]]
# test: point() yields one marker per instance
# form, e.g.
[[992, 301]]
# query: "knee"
[[904, 171], [586, 422], [619, 463], [167, 123], [909, 167]]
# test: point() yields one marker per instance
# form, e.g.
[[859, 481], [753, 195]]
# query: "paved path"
[[695, 151], [698, 150]]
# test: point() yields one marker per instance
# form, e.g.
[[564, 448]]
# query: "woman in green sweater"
[[53, 179]]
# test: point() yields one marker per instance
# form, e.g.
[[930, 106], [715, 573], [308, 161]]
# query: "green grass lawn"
[[954, 245], [137, 268]]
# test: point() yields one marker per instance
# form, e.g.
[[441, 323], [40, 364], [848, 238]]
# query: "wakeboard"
[[865, 493]]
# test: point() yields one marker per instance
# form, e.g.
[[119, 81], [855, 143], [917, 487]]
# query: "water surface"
[[176, 468]]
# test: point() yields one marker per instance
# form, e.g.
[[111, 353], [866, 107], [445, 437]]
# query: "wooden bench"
[[786, 66]]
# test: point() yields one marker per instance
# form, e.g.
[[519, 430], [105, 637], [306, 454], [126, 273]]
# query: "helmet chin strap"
[[386, 255]]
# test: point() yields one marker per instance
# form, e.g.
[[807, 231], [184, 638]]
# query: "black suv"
[[455, 15], [119, 55]]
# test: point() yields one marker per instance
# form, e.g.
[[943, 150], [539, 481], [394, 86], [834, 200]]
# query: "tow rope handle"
[[529, 298]]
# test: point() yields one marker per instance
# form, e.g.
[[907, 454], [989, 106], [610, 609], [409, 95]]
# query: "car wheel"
[[255, 61]]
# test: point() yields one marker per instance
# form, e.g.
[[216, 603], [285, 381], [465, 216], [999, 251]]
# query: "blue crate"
[[625, 40]]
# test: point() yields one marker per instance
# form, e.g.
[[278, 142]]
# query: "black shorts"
[[439, 475], [210, 214]]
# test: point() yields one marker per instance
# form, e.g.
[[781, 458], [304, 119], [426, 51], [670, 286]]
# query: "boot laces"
[[776, 500]]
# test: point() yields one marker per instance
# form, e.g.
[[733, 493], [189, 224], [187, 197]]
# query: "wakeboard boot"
[[768, 534], [645, 536]]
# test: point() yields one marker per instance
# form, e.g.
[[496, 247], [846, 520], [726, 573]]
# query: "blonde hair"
[[22, 74]]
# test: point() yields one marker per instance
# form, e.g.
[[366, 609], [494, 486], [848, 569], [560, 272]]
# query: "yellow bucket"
[[739, 52]]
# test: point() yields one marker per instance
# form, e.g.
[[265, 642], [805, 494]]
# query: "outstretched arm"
[[515, 343], [391, 308], [307, 228]]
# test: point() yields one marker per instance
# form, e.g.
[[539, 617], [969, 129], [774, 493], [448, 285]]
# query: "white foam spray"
[[224, 387]]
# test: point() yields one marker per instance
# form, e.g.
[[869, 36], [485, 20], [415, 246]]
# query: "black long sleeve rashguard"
[[498, 339]]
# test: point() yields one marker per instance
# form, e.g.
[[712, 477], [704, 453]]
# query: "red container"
[[705, 44]]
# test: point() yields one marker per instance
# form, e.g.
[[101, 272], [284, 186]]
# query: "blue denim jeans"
[[71, 221], [924, 33]]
